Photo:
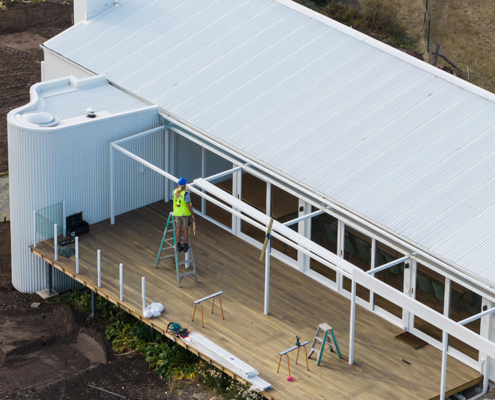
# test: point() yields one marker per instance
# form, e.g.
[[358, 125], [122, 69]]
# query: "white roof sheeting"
[[390, 138]]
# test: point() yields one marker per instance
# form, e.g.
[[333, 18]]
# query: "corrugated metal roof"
[[392, 139]]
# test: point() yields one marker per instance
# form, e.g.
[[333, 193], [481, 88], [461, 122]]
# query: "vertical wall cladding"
[[72, 165]]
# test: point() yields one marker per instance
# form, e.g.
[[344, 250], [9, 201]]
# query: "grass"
[[466, 31]]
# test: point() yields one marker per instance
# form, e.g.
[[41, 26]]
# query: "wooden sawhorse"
[[200, 302], [286, 353]]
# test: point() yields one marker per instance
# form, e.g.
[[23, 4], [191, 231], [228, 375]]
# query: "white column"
[[203, 175], [77, 255], [112, 187], [237, 193], [64, 222], [268, 249], [143, 292], [166, 166], [372, 266], [340, 252], [414, 268], [304, 229], [55, 240], [121, 281], [486, 330], [35, 233], [353, 322], [98, 266], [445, 342], [407, 292]]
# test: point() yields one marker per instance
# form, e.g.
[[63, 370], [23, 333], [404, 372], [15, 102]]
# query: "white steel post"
[[121, 276], [447, 297], [64, 222], [353, 318], [445, 342], [143, 291], [35, 233], [486, 366], [203, 175], [112, 187], [98, 263], [407, 292], [167, 162], [340, 251], [268, 250], [372, 266], [55, 240], [77, 254]]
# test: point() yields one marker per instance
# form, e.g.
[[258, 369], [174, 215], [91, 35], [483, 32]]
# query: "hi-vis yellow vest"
[[180, 206]]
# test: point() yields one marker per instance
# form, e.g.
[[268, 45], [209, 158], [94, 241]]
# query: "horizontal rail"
[[387, 265], [208, 297]]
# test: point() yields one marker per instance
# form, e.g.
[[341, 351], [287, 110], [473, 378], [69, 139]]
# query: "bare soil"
[[52, 351]]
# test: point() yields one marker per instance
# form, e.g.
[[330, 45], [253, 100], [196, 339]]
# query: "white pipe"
[[388, 265], [112, 187], [121, 275], [98, 263], [143, 292], [445, 342], [55, 241], [35, 233], [353, 320], [477, 316], [77, 255], [313, 197], [268, 250], [64, 222], [304, 217]]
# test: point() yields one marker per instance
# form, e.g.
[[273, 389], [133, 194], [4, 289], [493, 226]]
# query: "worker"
[[183, 214]]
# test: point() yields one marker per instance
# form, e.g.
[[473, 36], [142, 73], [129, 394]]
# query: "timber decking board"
[[298, 304]]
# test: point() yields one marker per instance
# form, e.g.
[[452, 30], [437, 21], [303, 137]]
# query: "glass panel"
[[464, 304], [217, 213], [254, 194], [46, 218], [430, 288], [324, 232], [357, 250], [393, 276], [285, 207]]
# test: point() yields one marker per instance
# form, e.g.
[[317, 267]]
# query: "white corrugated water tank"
[[57, 153]]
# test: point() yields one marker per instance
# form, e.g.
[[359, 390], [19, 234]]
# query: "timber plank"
[[298, 305]]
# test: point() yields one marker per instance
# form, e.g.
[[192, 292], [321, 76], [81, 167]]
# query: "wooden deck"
[[384, 367]]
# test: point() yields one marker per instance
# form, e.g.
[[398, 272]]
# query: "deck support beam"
[[353, 322]]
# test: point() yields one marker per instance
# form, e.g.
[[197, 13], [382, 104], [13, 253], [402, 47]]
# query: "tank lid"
[[40, 118]]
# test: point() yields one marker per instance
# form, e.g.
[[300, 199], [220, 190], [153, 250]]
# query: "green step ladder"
[[168, 250], [325, 340]]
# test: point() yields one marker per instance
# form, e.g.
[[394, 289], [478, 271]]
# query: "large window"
[[285, 207], [464, 304], [324, 232], [357, 250], [393, 276], [430, 288], [254, 194]]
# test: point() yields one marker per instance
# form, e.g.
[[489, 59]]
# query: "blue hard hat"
[[182, 181]]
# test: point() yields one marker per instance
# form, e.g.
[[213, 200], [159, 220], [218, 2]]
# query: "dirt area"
[[465, 30], [23, 27]]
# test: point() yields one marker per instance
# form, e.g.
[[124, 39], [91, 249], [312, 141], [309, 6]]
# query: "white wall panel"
[[72, 164]]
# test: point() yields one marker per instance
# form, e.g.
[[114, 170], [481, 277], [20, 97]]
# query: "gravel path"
[[4, 197]]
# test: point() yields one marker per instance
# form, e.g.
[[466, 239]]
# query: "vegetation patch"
[[166, 358], [379, 18]]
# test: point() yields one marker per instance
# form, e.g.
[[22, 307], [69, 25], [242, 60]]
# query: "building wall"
[[71, 164], [58, 67]]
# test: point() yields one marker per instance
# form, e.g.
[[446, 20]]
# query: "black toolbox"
[[76, 225]]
